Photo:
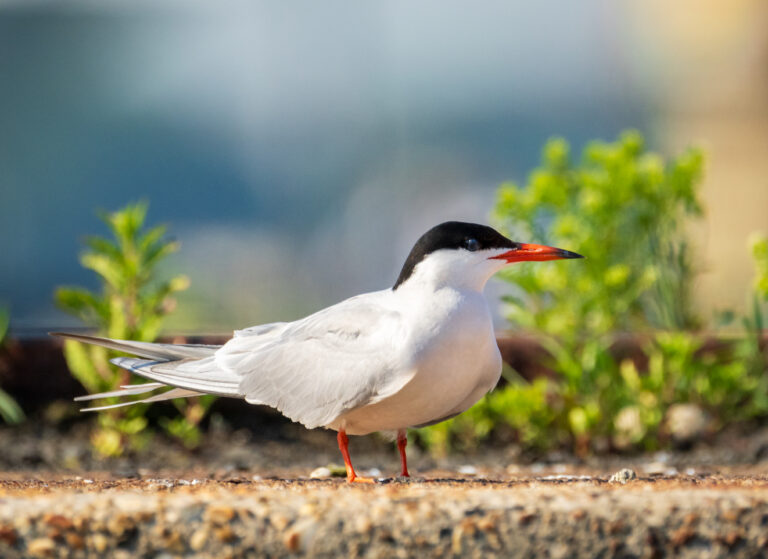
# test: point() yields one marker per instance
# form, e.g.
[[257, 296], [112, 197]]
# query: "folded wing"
[[315, 369], [311, 370]]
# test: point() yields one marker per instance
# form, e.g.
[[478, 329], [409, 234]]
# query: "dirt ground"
[[252, 494], [556, 511]]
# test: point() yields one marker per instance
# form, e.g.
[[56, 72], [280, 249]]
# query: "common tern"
[[413, 355]]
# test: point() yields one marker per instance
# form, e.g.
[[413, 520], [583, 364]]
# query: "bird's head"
[[467, 255]]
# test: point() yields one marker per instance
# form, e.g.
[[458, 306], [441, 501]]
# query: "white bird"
[[413, 355]]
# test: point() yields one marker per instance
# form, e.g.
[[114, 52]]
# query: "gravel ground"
[[250, 494], [554, 512]]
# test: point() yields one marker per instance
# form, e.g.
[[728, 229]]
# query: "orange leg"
[[343, 447], [402, 441]]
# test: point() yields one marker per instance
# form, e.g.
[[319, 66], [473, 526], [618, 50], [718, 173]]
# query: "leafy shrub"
[[131, 305], [623, 208], [9, 409]]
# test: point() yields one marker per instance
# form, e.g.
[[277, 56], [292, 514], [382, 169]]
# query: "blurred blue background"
[[298, 150]]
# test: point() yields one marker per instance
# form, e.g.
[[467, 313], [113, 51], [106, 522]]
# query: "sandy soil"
[[557, 511]]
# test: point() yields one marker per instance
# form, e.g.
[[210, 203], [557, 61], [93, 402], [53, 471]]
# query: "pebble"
[[321, 472], [467, 470], [74, 541], [160, 483], [174, 542], [8, 535], [659, 468], [560, 551], [198, 539], [100, 542], [219, 514], [686, 422], [57, 521], [363, 525], [41, 547], [225, 534], [279, 521], [292, 540], [623, 476], [119, 525]]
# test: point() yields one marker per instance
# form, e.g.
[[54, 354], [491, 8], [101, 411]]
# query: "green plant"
[[760, 255], [131, 305], [623, 208], [754, 349], [9, 409]]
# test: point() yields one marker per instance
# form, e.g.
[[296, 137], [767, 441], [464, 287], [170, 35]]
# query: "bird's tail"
[[188, 369]]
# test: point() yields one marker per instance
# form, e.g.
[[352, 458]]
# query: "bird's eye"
[[471, 245]]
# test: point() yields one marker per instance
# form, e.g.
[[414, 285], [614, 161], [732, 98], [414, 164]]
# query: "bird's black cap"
[[453, 235]]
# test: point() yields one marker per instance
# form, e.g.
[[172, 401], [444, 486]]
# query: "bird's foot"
[[354, 478]]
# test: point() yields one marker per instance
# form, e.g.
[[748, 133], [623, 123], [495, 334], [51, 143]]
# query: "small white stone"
[[655, 468], [467, 470], [686, 422], [662, 457], [321, 472]]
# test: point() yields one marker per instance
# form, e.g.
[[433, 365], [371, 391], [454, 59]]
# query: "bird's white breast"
[[451, 352]]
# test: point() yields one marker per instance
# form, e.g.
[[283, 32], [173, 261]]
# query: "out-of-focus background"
[[297, 151]]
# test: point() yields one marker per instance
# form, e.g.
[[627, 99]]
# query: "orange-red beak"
[[526, 252]]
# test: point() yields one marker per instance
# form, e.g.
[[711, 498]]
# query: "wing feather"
[[167, 395], [315, 369]]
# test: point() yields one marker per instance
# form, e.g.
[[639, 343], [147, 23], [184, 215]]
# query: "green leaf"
[[108, 269], [82, 303], [9, 409], [119, 318], [104, 247], [5, 319], [82, 365]]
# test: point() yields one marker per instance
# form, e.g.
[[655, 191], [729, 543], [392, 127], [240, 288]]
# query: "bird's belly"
[[447, 382]]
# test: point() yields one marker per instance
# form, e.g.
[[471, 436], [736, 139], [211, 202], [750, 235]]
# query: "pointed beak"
[[526, 252]]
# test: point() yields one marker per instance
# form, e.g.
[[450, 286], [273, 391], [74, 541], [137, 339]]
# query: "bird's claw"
[[358, 479]]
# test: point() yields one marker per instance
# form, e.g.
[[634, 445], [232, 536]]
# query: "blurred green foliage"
[[9, 409], [623, 207], [755, 348], [760, 254], [131, 305]]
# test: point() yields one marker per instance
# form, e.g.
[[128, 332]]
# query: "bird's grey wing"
[[261, 330], [315, 369]]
